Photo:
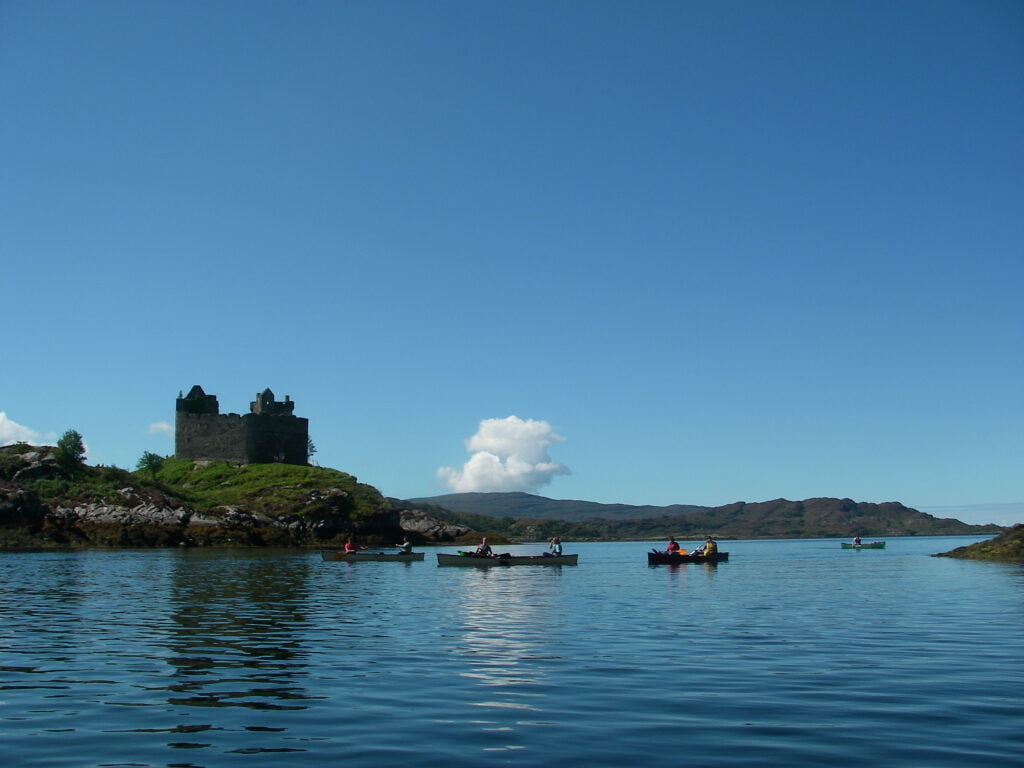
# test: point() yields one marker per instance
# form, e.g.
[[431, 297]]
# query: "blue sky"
[[702, 252]]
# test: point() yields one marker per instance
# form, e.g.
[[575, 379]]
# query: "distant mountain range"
[[528, 506], [524, 515]]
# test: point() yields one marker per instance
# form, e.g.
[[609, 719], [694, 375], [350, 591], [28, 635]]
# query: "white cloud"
[[506, 455], [11, 432], [160, 428]]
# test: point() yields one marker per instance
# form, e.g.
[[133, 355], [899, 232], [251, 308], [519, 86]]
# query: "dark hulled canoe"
[[373, 557], [664, 558], [871, 545], [466, 559]]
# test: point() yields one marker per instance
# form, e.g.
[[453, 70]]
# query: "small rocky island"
[[50, 499], [1006, 547]]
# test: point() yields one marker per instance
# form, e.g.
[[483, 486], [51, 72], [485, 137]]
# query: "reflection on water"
[[107, 632], [499, 628], [685, 571], [504, 649], [242, 620]]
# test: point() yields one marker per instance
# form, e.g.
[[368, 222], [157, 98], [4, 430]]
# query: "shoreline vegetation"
[[49, 498]]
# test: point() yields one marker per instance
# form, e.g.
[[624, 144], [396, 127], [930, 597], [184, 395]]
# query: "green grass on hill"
[[261, 487]]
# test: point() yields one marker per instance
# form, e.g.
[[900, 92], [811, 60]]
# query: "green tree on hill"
[[70, 451], [150, 462]]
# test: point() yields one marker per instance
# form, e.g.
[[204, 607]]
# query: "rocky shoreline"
[[26, 523]]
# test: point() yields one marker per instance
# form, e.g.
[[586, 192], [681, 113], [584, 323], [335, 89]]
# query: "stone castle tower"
[[269, 433]]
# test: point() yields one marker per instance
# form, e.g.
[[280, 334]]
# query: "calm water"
[[794, 653]]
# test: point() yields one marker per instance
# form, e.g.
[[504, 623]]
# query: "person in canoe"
[[554, 548], [673, 547], [483, 549], [405, 548], [856, 541], [351, 546], [708, 548]]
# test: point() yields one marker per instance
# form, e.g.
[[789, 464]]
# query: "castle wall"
[[210, 436], [272, 438]]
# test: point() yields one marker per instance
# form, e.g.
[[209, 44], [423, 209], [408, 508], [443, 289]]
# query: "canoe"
[[373, 557], [664, 558], [870, 545], [466, 559]]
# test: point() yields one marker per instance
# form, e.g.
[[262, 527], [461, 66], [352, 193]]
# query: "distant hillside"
[[824, 517], [523, 516], [528, 506]]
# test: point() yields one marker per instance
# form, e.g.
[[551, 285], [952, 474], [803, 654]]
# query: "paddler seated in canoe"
[[673, 547], [405, 548], [351, 546], [554, 548], [856, 541], [708, 548], [483, 549]]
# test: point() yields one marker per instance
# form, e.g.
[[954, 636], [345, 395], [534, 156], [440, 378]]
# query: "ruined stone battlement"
[[269, 433]]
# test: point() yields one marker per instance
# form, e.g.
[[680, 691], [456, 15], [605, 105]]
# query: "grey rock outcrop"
[[34, 465], [425, 525]]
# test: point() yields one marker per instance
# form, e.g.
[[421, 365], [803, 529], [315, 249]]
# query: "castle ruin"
[[269, 433]]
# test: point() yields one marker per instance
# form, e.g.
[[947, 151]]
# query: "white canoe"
[[465, 559], [373, 557]]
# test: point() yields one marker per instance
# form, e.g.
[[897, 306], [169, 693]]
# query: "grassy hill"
[[267, 488]]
